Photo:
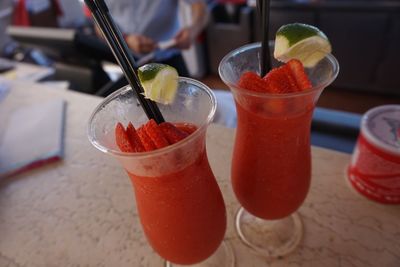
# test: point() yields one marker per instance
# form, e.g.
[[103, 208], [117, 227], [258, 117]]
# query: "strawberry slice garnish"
[[155, 133], [134, 138], [122, 139], [151, 136], [299, 74], [145, 139], [288, 78], [279, 81], [252, 81], [291, 79], [186, 127], [172, 133]]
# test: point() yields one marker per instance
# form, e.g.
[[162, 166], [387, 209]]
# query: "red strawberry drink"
[[272, 159], [180, 205], [271, 165]]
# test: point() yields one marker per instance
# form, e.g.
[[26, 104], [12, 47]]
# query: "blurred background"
[[365, 36]]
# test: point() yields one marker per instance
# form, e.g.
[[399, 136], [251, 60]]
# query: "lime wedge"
[[303, 42], [159, 81]]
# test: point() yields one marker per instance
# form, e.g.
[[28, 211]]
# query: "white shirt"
[[156, 19], [37, 6]]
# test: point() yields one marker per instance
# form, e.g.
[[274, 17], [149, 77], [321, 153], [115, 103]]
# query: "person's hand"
[[140, 44], [184, 38]]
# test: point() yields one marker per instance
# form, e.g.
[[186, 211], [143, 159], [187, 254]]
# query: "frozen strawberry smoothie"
[[271, 167], [275, 98], [179, 203], [271, 163], [182, 212]]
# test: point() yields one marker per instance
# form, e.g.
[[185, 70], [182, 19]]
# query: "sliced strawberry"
[[291, 79], [186, 127], [155, 134], [278, 82], [122, 140], [172, 133], [299, 74], [145, 139], [252, 81], [134, 138]]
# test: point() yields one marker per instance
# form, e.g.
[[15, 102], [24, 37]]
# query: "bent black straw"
[[122, 54]]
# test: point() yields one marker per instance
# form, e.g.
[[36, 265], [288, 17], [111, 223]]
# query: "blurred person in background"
[[72, 14], [146, 23]]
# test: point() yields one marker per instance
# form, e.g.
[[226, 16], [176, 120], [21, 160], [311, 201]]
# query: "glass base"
[[269, 238], [223, 256]]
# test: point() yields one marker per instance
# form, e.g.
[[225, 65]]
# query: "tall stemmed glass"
[[271, 165], [180, 205]]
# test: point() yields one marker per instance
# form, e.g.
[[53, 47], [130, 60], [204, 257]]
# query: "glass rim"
[[159, 151], [243, 91]]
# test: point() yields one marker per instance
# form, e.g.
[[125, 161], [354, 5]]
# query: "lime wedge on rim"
[[159, 81], [303, 42]]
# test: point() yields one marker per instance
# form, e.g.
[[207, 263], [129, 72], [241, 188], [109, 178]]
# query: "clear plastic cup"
[[271, 164], [180, 205]]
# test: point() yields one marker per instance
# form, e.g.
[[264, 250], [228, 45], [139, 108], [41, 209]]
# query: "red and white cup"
[[374, 170]]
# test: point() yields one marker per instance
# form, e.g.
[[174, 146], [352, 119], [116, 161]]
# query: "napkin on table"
[[32, 137]]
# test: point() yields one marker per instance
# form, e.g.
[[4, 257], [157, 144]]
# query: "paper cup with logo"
[[374, 170]]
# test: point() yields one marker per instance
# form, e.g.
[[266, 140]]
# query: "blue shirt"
[[156, 19]]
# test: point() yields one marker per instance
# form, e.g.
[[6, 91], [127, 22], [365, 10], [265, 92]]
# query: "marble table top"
[[81, 211]]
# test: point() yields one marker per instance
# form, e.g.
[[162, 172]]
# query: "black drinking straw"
[[122, 54], [263, 6]]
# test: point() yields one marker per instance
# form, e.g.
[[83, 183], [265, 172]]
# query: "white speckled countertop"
[[81, 211]]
